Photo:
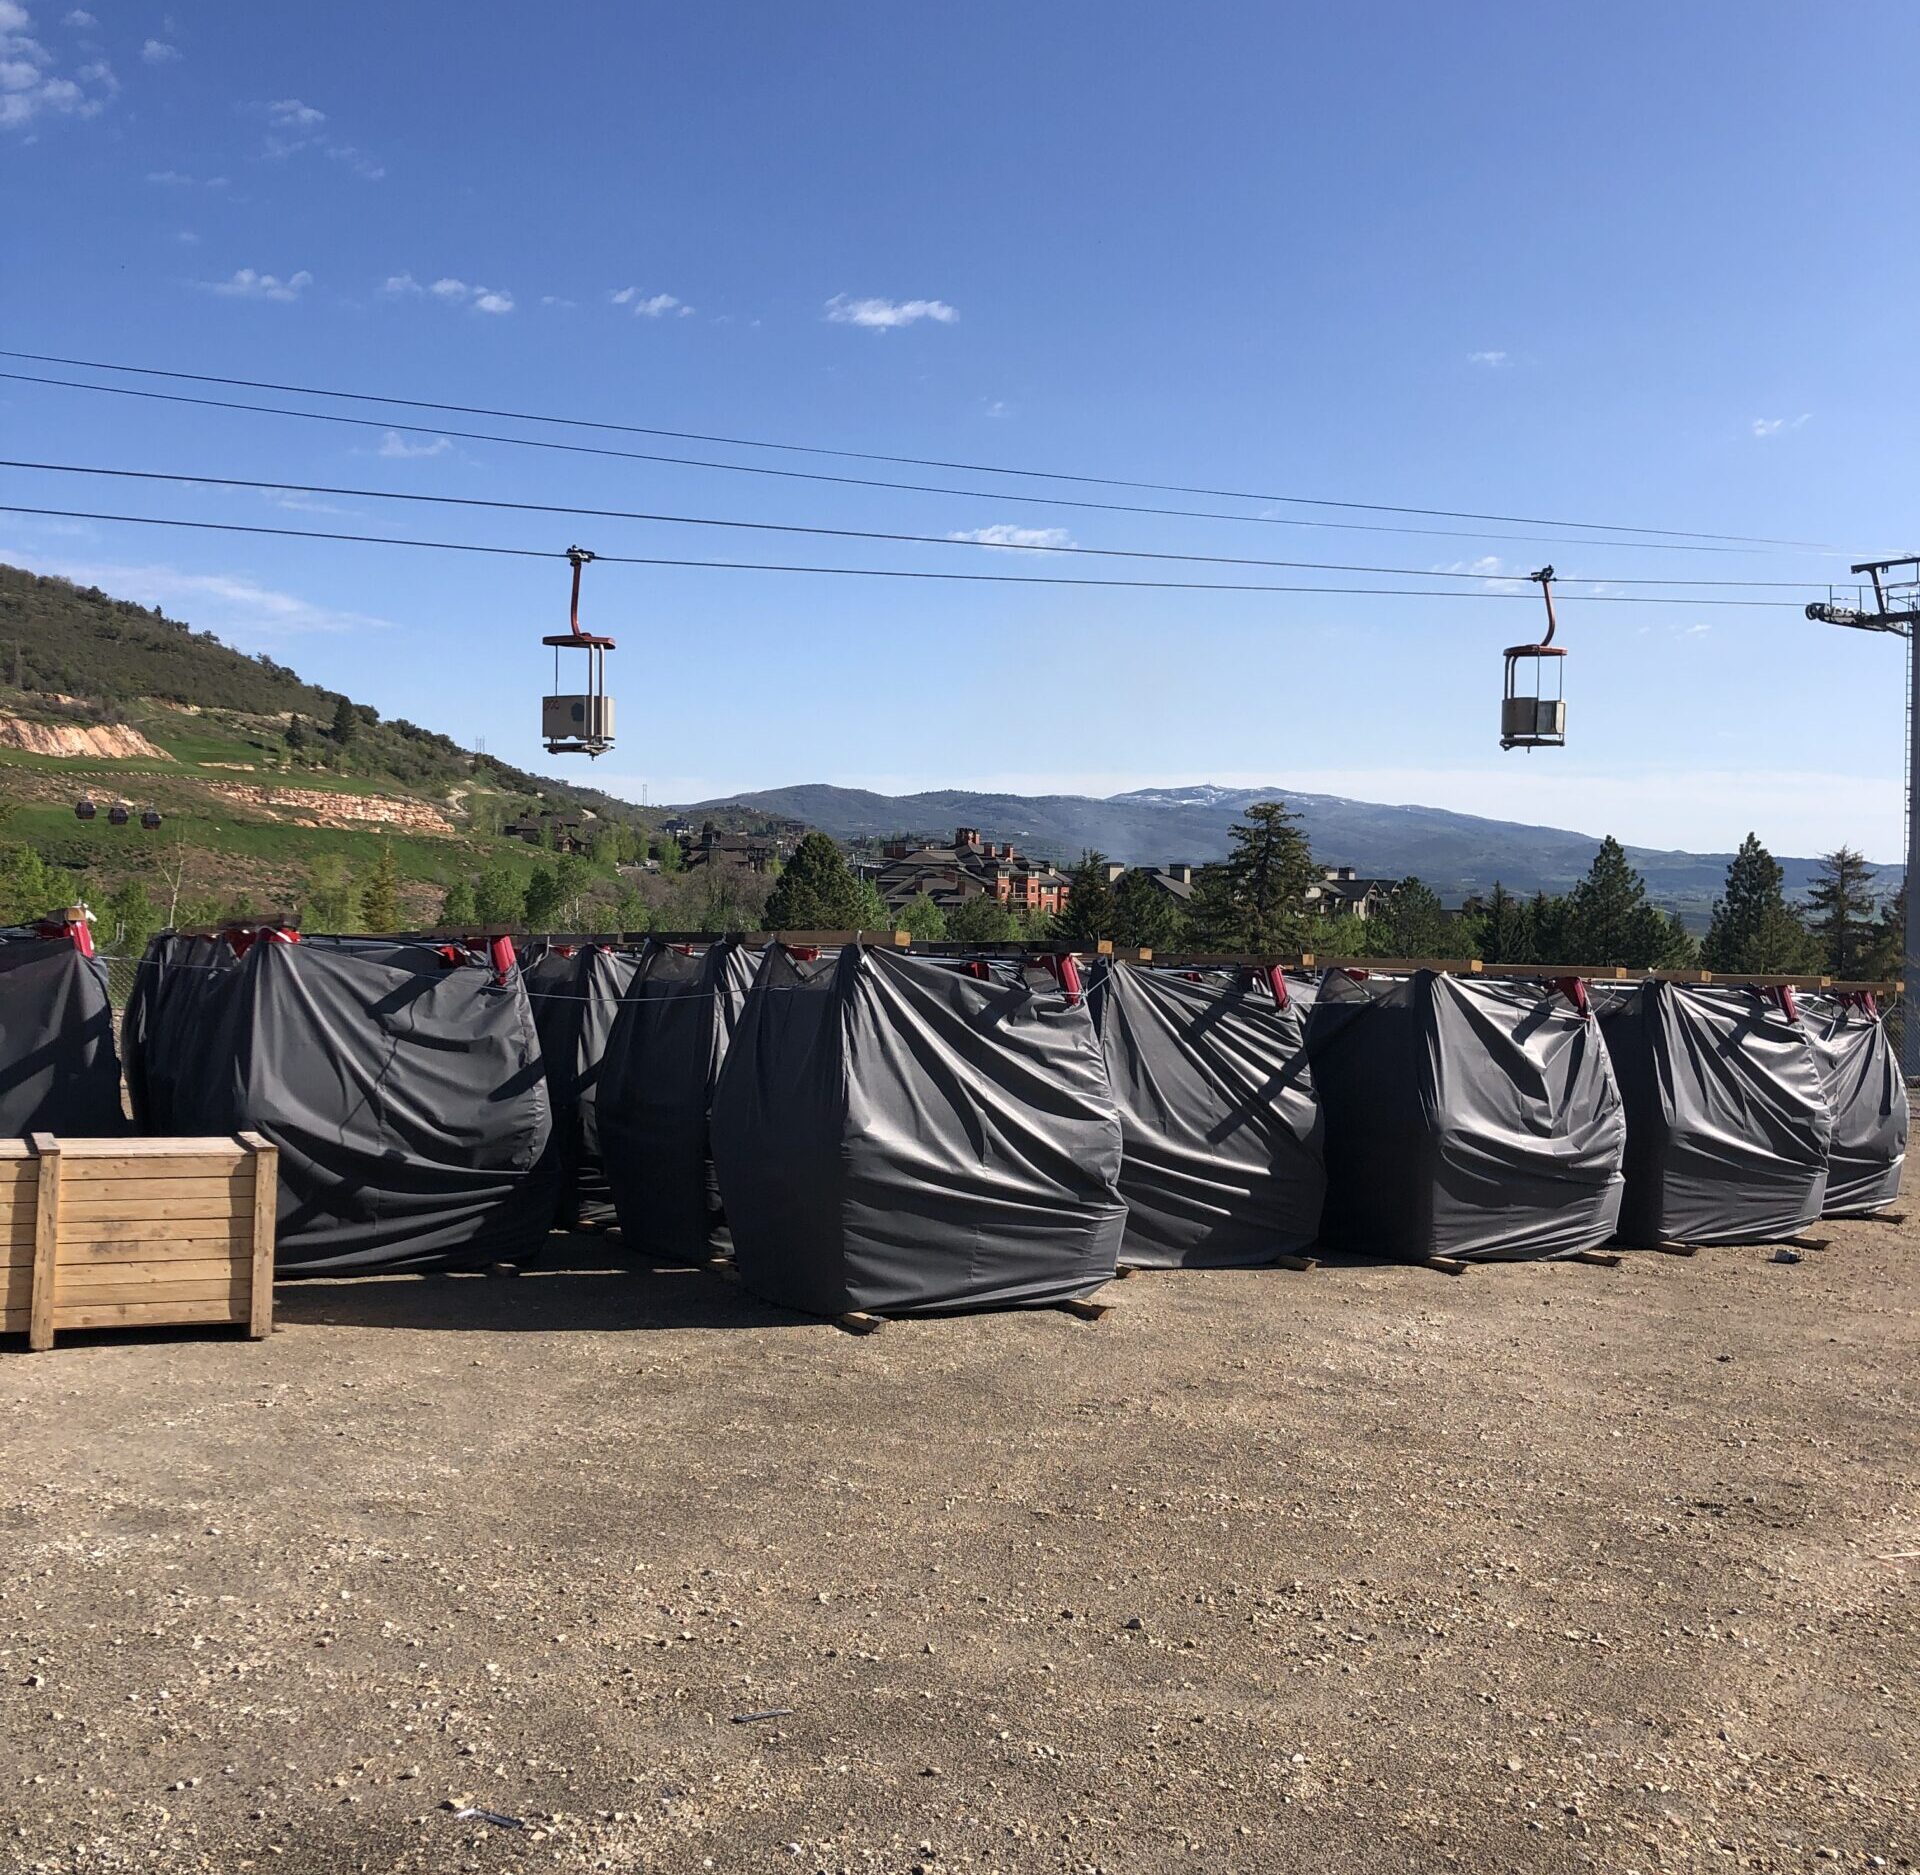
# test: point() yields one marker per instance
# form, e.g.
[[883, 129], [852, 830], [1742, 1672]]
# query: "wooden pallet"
[[124, 1233]]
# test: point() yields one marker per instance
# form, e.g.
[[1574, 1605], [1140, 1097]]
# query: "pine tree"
[[1840, 911], [1547, 937], [1145, 914], [543, 900], [346, 722], [1415, 925], [1753, 929], [1089, 913], [1608, 918], [330, 900], [982, 920], [1503, 929], [380, 903], [1256, 898], [816, 891]]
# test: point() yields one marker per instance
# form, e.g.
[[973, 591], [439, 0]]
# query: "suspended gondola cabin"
[[580, 722], [1533, 710]]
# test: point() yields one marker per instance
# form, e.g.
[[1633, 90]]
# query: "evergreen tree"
[[1608, 918], [1089, 913], [1753, 929], [1416, 923], [669, 854], [818, 892], [1886, 953], [1503, 929], [923, 918], [1547, 938], [1256, 898], [28, 889], [499, 899], [346, 722], [1840, 911], [380, 902], [1145, 914], [459, 909], [297, 737]]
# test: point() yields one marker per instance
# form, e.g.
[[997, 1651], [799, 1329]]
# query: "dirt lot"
[[1541, 1568]]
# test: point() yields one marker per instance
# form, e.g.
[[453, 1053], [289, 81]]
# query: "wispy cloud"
[[1005, 534], [1772, 426], [1499, 577], [398, 285], [294, 125], [999, 408], [235, 605], [245, 283], [81, 20], [1492, 360], [158, 52], [653, 306], [30, 85], [396, 447], [884, 315], [555, 299]]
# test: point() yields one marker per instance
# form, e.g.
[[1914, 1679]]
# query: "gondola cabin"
[[578, 722], [1533, 706]]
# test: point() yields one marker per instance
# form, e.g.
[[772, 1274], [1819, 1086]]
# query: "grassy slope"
[[130, 665]]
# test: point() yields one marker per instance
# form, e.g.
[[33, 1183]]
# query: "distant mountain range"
[[1456, 854]]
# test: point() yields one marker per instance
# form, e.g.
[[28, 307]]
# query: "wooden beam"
[[46, 1244], [266, 1205]]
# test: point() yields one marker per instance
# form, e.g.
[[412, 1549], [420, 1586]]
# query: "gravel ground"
[[1544, 1567]]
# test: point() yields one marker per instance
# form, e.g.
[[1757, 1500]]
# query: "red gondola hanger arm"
[[577, 558], [1544, 576]]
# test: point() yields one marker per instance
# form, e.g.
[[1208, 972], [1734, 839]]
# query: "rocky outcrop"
[[322, 807], [114, 741]]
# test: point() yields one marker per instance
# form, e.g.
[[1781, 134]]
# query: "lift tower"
[[1896, 609]]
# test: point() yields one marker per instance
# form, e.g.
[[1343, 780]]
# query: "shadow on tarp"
[[579, 1284]]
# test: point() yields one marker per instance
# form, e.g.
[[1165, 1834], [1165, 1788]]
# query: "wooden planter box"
[[123, 1233]]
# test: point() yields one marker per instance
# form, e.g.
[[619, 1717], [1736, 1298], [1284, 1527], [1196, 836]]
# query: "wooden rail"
[[120, 1233]]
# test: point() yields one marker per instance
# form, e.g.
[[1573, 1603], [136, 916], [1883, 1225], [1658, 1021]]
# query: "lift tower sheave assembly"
[[581, 722], [1896, 609]]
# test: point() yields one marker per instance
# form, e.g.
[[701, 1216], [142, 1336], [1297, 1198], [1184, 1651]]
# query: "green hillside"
[[278, 796]]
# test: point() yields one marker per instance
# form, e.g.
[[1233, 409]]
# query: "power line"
[[1667, 545], [918, 462], [852, 572], [836, 533]]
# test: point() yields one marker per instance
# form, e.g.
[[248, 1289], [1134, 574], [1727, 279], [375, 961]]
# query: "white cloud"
[[1490, 567], [170, 178], [158, 52], [30, 87], [883, 315], [656, 306], [187, 238], [81, 20], [1005, 534], [554, 299], [247, 284], [294, 125], [999, 408], [396, 448], [452, 292], [291, 114], [1772, 426], [1492, 360]]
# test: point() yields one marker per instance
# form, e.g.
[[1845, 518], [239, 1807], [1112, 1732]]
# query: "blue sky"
[[1634, 264]]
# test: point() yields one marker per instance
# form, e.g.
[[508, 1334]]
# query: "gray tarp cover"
[[58, 1069], [1464, 1119], [1219, 1121], [405, 1094], [1727, 1123], [898, 1136], [662, 1058], [576, 996], [1868, 1099]]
